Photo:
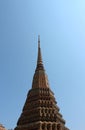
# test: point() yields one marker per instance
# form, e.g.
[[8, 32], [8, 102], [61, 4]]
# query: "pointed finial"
[[39, 58], [38, 41]]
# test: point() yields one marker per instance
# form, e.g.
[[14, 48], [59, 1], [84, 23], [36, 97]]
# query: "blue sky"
[[61, 26]]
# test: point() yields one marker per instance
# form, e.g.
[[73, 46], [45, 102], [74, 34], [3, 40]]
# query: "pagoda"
[[40, 111]]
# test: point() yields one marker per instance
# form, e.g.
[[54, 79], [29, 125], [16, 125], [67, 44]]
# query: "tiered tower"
[[40, 111]]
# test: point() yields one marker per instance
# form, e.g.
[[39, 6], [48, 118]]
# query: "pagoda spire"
[[39, 58], [40, 79]]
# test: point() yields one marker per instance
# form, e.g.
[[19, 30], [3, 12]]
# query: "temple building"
[[2, 127], [40, 111]]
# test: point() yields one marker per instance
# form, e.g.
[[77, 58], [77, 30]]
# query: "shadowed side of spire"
[[39, 58]]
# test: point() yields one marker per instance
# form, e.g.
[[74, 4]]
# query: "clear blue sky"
[[61, 25]]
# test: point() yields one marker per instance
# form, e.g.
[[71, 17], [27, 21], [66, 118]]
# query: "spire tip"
[[38, 41], [39, 58], [38, 38]]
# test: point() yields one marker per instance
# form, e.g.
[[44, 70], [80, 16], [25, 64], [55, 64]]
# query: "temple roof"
[[2, 127]]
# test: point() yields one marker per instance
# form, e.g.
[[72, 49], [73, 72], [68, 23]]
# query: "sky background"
[[61, 26]]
